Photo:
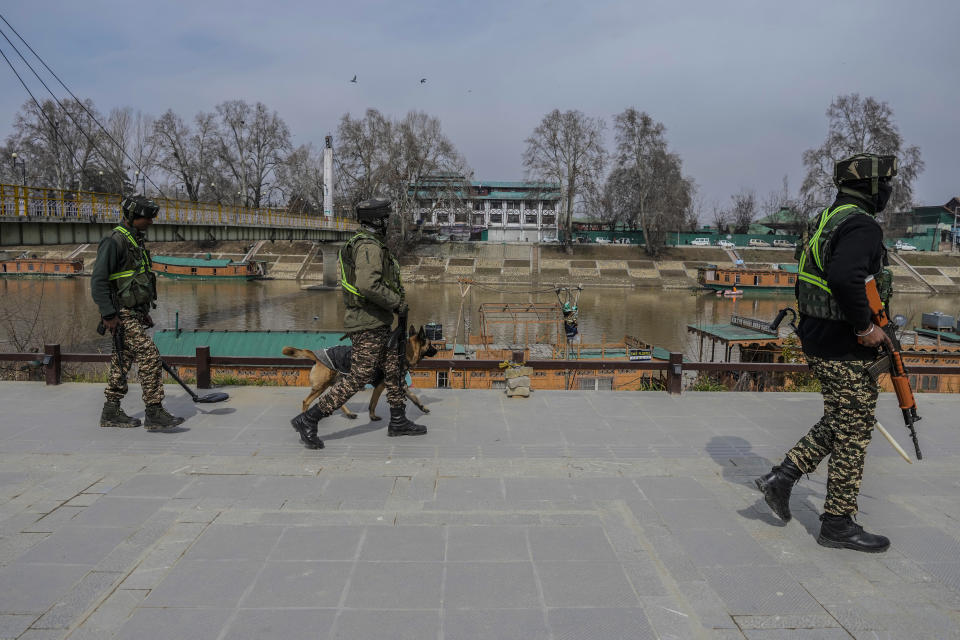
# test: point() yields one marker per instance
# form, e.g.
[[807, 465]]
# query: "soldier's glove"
[[147, 321], [402, 308], [112, 323]]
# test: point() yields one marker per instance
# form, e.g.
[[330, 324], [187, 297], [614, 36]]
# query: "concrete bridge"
[[40, 216]]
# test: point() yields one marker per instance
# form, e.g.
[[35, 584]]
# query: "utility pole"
[[328, 177]]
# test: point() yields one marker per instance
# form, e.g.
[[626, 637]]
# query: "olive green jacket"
[[371, 259], [112, 255]]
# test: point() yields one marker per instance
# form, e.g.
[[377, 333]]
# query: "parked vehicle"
[[725, 244], [904, 246], [700, 242], [784, 243], [602, 241], [757, 242]]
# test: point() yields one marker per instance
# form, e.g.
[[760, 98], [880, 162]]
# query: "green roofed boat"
[[208, 269]]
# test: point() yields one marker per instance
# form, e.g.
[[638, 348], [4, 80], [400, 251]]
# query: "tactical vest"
[[814, 297], [135, 284], [347, 256]]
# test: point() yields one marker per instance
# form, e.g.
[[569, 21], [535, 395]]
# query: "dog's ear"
[[422, 334], [413, 330]]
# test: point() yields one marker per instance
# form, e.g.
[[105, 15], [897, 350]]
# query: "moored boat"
[[743, 279], [180, 268], [41, 267]]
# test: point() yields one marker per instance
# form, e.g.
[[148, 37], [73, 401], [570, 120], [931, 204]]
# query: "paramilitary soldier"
[[124, 289], [372, 293], [844, 246]]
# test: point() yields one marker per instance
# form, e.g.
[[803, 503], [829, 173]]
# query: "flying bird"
[[354, 79], [423, 80]]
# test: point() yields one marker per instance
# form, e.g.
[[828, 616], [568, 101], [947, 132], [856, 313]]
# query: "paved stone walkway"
[[564, 516]]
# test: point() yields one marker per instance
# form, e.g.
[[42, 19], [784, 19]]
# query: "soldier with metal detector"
[[372, 293], [124, 289], [843, 252]]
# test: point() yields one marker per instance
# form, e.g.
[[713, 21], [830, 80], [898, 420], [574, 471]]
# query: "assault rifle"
[[117, 335], [891, 362]]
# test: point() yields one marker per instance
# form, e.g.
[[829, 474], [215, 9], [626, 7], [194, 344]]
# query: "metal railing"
[[61, 205], [52, 360]]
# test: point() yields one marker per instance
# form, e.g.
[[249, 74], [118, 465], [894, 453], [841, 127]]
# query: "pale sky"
[[742, 87]]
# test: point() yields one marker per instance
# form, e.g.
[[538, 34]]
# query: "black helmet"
[[373, 211], [861, 168], [139, 207]]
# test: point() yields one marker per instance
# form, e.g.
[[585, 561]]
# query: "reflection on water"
[[62, 311]]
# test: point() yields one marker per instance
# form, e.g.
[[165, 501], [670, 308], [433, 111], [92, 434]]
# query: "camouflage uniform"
[[844, 431], [139, 348], [370, 353]]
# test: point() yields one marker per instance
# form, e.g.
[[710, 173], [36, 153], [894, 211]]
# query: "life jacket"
[[135, 283], [814, 297], [347, 256]]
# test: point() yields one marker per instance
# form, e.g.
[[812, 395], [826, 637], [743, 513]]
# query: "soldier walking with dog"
[[124, 289], [843, 248], [372, 293]]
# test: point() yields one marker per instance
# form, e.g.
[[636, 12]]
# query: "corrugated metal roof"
[[191, 262], [256, 344], [732, 332]]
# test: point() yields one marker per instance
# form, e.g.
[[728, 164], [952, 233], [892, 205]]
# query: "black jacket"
[[856, 252]]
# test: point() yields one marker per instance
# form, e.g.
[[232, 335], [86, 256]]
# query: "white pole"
[[328, 178]]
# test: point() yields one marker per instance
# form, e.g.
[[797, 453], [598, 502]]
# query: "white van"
[[784, 243], [756, 242], [700, 242]]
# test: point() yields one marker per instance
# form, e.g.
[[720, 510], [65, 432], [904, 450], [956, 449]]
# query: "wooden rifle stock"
[[894, 362]]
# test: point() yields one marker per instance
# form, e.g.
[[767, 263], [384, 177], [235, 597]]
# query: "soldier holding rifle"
[[843, 249], [124, 289]]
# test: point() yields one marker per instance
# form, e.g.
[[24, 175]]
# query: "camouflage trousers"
[[843, 433], [137, 348], [370, 353]]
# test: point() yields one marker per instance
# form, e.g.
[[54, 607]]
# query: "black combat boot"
[[158, 419], [400, 425], [777, 485], [113, 416], [841, 532], [306, 425]]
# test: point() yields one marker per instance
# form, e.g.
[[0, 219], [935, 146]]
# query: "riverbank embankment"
[[503, 263]]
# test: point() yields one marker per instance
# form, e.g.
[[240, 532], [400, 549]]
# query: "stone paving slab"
[[565, 515]]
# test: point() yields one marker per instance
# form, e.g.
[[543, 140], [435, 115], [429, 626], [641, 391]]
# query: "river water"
[[61, 311]]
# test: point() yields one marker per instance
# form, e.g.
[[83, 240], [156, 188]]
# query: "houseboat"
[[41, 267], [180, 268], [744, 279]]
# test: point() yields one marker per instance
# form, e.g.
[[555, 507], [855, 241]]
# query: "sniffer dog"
[[325, 370]]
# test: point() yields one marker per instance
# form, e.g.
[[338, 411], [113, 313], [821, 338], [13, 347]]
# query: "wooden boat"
[[203, 269], [743, 279], [730, 293], [41, 267]]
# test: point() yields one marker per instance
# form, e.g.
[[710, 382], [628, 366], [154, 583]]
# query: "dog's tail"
[[294, 352]]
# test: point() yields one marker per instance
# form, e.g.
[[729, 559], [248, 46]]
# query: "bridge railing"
[[62, 205]]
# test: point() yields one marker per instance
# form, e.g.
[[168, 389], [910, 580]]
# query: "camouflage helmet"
[[139, 207], [374, 210], [862, 167]]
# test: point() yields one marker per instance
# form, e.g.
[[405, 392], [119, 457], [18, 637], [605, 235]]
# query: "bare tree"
[[299, 180], [130, 134], [252, 140], [859, 125], [184, 154], [566, 148], [719, 216], [744, 210], [663, 194]]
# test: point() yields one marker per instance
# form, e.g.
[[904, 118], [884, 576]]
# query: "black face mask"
[[884, 189]]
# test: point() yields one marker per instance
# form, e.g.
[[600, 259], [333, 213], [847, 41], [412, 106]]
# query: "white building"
[[495, 211]]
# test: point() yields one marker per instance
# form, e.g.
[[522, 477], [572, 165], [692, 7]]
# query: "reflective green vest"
[[390, 269], [814, 297], [136, 284]]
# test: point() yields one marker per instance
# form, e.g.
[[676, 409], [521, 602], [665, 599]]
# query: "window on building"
[[530, 205], [756, 280], [530, 218], [478, 218], [548, 220], [498, 384], [513, 204], [513, 218], [56, 267], [193, 270], [478, 205], [726, 277], [790, 280], [30, 267], [461, 216], [737, 279], [496, 204], [443, 379], [547, 205], [928, 383], [496, 218]]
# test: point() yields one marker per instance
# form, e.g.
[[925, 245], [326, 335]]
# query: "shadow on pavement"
[[724, 449]]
